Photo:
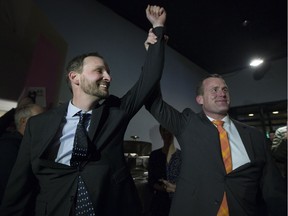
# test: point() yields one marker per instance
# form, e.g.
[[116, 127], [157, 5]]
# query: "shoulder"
[[112, 101], [178, 151], [188, 111], [249, 128], [281, 129], [10, 139], [241, 124], [156, 152], [52, 113]]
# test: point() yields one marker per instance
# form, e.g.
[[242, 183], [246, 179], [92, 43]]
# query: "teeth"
[[105, 86]]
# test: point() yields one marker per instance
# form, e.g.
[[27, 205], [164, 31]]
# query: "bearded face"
[[95, 77], [98, 89]]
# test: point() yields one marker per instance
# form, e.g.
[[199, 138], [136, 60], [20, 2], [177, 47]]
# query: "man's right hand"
[[156, 15]]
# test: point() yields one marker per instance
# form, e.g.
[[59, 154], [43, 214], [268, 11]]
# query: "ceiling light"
[[275, 112], [251, 114], [256, 62], [245, 23]]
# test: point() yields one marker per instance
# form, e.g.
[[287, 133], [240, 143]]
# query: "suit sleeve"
[[21, 184], [6, 120], [273, 187], [151, 74], [165, 114], [9, 153]]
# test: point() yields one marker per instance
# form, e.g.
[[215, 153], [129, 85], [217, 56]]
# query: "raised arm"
[[153, 66]]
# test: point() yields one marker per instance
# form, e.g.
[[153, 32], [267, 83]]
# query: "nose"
[[222, 93], [106, 76]]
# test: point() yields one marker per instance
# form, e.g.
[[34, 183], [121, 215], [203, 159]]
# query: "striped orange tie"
[[226, 156]]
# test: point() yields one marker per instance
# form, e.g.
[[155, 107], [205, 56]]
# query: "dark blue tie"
[[79, 154], [80, 147]]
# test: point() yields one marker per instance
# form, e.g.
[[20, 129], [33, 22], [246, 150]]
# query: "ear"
[[23, 120], [74, 77], [199, 99]]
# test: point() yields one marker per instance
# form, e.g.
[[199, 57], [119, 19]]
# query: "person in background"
[[163, 171], [271, 135], [52, 174], [225, 170], [7, 120], [10, 141], [279, 149], [279, 136], [269, 138]]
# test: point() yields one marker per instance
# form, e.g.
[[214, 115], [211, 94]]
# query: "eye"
[[225, 90], [99, 70], [102, 70], [213, 90]]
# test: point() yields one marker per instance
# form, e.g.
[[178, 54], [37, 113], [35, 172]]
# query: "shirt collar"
[[226, 119], [73, 110]]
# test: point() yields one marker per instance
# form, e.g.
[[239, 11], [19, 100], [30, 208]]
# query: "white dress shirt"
[[238, 152], [68, 132]]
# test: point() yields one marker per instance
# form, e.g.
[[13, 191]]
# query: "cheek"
[[228, 97], [211, 97]]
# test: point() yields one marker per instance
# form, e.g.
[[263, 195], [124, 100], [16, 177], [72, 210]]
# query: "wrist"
[[158, 25]]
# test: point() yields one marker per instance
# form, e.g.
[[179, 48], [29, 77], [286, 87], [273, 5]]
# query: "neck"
[[85, 103], [215, 116], [21, 130]]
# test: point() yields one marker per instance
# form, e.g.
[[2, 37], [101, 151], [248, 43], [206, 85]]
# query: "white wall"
[[87, 25], [247, 90]]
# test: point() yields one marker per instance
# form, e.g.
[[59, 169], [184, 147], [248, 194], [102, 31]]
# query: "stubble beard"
[[93, 89]]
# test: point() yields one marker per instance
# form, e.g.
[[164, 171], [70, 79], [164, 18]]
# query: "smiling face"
[[214, 97], [95, 77]]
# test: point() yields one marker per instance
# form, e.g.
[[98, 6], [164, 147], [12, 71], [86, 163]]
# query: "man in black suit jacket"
[[10, 141], [42, 174], [203, 179]]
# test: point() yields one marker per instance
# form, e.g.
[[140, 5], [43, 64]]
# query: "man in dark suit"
[[7, 120], [253, 187], [42, 174], [10, 141]]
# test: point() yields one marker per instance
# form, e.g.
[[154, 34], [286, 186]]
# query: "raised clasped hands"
[[156, 15], [152, 39]]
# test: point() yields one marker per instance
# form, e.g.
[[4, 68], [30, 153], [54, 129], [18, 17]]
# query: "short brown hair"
[[76, 64], [199, 88]]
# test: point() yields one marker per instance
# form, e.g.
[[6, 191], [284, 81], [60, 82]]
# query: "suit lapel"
[[213, 140], [55, 119], [96, 118]]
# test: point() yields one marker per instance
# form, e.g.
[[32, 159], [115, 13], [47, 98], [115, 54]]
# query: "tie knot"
[[218, 123], [83, 117]]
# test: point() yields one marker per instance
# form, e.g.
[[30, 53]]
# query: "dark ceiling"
[[219, 36]]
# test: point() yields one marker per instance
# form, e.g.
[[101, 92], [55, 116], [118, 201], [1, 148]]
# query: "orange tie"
[[226, 156]]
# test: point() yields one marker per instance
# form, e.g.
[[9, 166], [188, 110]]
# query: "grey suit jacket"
[[203, 179], [51, 186]]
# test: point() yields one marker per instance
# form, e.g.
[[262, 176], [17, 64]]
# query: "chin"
[[224, 111], [102, 95], [106, 95]]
